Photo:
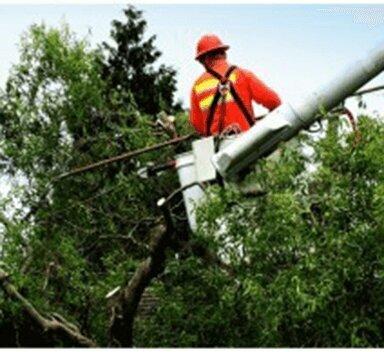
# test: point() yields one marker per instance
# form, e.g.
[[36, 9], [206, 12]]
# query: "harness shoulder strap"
[[248, 116], [223, 80]]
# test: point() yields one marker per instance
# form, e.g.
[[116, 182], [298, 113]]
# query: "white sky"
[[292, 47]]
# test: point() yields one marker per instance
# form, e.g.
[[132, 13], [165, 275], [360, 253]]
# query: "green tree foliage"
[[130, 65], [73, 240], [304, 261], [307, 256]]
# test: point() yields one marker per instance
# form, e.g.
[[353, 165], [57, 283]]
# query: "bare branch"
[[53, 325]]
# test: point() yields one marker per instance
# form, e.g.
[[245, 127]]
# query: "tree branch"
[[53, 325], [126, 303]]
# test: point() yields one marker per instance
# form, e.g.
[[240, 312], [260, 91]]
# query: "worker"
[[221, 98]]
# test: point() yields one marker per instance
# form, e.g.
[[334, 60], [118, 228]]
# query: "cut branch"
[[53, 325]]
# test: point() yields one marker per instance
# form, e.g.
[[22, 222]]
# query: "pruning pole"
[[124, 156], [367, 91], [285, 122], [177, 140]]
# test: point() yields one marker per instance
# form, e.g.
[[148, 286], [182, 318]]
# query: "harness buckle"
[[224, 88]]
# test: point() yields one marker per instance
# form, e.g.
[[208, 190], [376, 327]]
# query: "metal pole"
[[286, 121]]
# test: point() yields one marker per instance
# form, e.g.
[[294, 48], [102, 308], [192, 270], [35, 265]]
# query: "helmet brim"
[[203, 53]]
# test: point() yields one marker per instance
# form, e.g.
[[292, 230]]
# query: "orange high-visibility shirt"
[[247, 86]]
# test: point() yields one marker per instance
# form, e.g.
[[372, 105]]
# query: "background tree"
[[131, 65]]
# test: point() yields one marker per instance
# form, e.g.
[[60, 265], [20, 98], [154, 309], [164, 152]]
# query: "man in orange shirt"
[[221, 99]]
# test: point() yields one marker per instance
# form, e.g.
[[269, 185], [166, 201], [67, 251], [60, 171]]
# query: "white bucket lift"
[[289, 119], [194, 168], [264, 137], [186, 170]]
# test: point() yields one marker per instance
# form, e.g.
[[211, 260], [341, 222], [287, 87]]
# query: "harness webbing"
[[250, 119], [212, 109]]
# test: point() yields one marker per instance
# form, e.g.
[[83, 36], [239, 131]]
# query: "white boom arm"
[[286, 121]]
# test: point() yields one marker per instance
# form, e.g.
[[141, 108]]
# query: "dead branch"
[[52, 325], [128, 298]]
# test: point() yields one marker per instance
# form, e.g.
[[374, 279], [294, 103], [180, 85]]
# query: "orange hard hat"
[[209, 43]]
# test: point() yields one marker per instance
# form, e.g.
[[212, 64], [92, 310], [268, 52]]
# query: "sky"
[[293, 48]]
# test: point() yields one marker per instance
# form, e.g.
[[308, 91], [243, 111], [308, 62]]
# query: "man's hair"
[[214, 54]]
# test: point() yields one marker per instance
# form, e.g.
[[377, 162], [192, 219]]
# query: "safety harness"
[[225, 85]]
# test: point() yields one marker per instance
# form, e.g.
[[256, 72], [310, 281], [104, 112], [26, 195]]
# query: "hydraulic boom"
[[290, 118]]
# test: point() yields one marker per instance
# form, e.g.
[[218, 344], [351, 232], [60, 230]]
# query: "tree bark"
[[52, 325], [125, 308]]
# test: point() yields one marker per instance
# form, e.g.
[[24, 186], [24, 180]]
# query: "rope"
[[352, 121]]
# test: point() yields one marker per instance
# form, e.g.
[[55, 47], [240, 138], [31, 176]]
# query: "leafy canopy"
[[307, 256]]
